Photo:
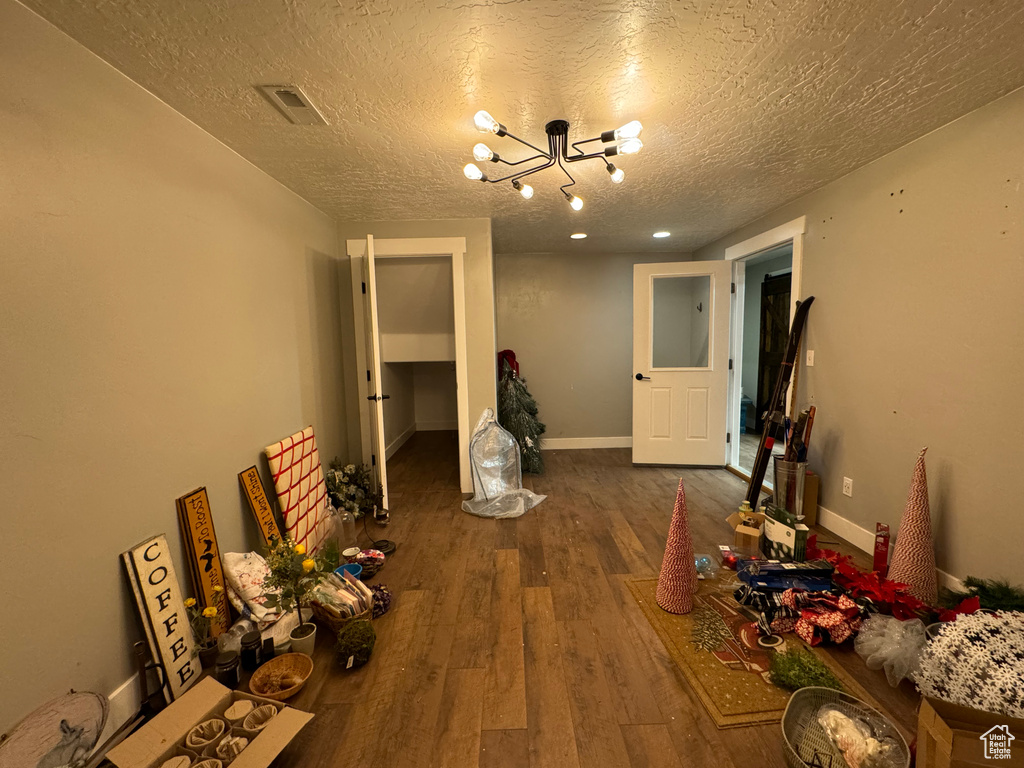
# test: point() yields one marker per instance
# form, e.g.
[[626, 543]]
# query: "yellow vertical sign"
[[259, 504], [204, 556]]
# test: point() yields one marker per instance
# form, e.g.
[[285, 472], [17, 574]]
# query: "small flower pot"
[[208, 654], [303, 643]]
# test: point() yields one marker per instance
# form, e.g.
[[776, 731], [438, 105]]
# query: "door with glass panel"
[[680, 362]]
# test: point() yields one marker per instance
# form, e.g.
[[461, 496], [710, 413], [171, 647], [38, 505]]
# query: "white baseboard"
[[576, 443], [399, 441], [437, 426], [864, 540], [124, 705]]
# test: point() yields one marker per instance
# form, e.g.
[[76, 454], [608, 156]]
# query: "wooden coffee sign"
[[151, 574], [204, 556], [259, 504]]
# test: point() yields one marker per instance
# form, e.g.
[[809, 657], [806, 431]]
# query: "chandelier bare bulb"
[[617, 174], [630, 146], [574, 202], [630, 130], [473, 173], [482, 153], [487, 124], [524, 189]]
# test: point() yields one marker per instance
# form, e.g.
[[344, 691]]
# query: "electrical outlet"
[[847, 487], [810, 358]]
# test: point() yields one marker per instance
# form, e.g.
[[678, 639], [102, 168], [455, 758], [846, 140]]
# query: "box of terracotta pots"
[[209, 726]]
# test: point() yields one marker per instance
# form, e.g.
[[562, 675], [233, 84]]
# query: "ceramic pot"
[[208, 654], [304, 644]]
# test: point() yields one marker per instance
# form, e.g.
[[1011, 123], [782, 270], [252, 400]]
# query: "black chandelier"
[[624, 141]]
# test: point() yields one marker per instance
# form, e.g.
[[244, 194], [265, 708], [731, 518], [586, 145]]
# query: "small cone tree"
[[913, 559], [678, 580], [517, 412]]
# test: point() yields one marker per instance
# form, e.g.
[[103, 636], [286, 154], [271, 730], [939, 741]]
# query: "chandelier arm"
[[572, 181], [592, 156], [520, 162], [520, 174], [521, 141], [576, 144]]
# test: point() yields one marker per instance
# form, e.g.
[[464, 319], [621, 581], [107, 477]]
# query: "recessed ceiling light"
[[662, 234], [578, 236]]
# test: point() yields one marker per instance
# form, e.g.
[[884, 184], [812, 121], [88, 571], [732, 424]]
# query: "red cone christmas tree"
[[678, 579], [913, 560]]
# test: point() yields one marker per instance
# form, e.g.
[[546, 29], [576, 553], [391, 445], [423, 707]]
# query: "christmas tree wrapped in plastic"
[[517, 412]]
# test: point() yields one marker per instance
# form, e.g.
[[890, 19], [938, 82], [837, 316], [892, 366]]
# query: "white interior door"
[[680, 362], [375, 398]]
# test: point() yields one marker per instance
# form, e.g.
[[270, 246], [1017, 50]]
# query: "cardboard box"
[[811, 485], [162, 737], [784, 542], [747, 532], [951, 736]]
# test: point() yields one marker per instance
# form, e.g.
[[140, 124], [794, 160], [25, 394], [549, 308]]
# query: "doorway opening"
[[767, 271], [410, 318]]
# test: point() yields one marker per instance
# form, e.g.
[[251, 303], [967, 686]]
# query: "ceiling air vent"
[[293, 104]]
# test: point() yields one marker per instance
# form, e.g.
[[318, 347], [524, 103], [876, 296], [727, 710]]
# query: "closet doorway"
[[409, 311]]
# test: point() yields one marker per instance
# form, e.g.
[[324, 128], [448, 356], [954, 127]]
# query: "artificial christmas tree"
[[517, 412], [913, 560], [678, 579]]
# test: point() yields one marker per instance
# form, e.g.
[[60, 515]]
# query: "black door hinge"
[[367, 374], [728, 437], [730, 363], [373, 460], [364, 286], [731, 291]]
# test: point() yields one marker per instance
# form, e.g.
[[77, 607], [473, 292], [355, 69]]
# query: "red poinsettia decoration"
[[888, 596]]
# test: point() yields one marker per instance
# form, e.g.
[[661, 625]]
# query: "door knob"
[[641, 377], [378, 397]]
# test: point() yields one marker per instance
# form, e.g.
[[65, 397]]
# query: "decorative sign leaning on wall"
[[259, 504], [151, 574], [203, 555]]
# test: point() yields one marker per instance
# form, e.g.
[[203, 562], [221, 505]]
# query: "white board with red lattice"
[[301, 491]]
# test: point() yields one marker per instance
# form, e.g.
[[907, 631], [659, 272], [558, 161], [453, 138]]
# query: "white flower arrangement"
[[977, 661]]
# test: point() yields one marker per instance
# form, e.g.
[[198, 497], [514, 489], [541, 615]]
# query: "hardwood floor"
[[516, 643]]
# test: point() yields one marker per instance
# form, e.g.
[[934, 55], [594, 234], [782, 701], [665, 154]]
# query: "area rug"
[[715, 647]]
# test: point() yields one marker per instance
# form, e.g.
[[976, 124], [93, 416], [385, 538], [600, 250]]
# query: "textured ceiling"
[[746, 104]]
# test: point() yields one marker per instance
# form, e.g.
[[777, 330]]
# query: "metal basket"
[[802, 736]]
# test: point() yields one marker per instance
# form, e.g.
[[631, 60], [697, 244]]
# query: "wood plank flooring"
[[516, 643]]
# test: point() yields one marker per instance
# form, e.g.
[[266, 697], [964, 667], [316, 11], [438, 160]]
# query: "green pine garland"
[[517, 412], [797, 669], [993, 594]]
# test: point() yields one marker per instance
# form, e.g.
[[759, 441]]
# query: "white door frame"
[[792, 231], [416, 247]]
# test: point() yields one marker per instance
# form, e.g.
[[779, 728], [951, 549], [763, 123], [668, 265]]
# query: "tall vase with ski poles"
[[776, 412]]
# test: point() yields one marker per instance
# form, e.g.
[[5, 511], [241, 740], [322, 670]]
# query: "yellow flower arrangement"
[[200, 618], [293, 575]]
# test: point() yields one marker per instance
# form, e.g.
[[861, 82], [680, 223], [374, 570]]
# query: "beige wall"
[[569, 319], [916, 263], [167, 311], [479, 290], [400, 407]]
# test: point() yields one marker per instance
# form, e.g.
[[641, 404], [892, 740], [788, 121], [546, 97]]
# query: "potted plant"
[[200, 618], [293, 576]]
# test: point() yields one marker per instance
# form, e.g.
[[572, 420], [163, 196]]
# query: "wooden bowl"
[[281, 677]]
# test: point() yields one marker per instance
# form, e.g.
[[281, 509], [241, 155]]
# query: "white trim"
[[577, 443], [437, 425], [788, 231], [399, 441], [864, 540], [406, 247], [124, 705]]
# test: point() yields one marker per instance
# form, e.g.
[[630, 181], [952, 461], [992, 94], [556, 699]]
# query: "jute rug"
[[715, 647]]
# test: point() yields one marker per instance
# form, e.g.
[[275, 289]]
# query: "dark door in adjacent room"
[[774, 334]]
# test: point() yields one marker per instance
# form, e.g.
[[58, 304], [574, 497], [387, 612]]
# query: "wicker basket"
[[802, 736], [265, 681], [330, 618]]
